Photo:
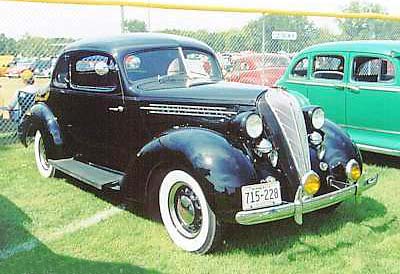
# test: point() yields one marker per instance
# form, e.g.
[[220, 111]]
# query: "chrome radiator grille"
[[291, 120]]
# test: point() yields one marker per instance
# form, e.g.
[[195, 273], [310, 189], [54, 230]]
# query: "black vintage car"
[[149, 115]]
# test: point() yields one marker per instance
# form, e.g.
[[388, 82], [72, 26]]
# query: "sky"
[[78, 21]]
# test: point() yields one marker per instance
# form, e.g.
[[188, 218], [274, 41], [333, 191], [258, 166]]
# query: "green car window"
[[300, 69], [330, 67], [372, 69]]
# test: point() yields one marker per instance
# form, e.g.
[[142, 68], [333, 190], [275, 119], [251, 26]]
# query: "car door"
[[327, 83], [373, 100], [95, 101]]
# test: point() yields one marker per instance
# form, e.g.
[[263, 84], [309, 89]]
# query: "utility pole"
[[122, 19]]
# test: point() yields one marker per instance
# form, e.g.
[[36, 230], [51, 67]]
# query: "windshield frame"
[[183, 61]]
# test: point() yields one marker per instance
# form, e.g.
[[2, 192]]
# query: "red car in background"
[[258, 68]]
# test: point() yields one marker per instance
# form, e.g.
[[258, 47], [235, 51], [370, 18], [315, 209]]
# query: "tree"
[[363, 28], [7, 45], [134, 26], [306, 31]]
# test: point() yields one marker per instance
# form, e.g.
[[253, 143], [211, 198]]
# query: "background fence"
[[253, 45]]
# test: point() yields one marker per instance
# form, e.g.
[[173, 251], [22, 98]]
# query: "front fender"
[[220, 168], [42, 118], [339, 147]]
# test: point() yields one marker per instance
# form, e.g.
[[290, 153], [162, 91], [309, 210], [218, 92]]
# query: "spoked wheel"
[[189, 221], [43, 166]]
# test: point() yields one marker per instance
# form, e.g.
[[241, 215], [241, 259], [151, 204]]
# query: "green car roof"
[[386, 47]]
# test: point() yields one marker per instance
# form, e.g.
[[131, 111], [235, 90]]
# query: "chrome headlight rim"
[[349, 167], [317, 118], [304, 180], [253, 126]]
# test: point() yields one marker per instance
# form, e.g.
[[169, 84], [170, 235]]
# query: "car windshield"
[[167, 68]]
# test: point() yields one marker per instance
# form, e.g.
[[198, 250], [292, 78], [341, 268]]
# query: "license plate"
[[261, 195]]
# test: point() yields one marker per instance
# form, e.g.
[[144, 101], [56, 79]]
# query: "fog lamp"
[[263, 147], [315, 138], [311, 183], [353, 170]]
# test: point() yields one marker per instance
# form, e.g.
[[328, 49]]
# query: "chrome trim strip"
[[313, 83], [371, 129], [284, 211], [378, 88], [186, 110], [381, 150]]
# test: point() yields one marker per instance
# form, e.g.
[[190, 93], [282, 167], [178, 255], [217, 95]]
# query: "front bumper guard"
[[303, 205]]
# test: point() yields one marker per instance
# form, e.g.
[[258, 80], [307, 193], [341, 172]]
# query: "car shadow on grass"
[[280, 236], [33, 256], [381, 160]]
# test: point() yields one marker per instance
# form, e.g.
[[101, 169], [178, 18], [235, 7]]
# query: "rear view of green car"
[[358, 85]]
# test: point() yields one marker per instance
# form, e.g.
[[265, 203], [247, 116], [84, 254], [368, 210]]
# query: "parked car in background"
[[5, 61], [43, 68], [258, 68], [149, 115], [358, 85], [14, 71]]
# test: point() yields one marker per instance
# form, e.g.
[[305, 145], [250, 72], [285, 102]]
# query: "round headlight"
[[353, 171], [311, 183], [254, 126], [318, 118]]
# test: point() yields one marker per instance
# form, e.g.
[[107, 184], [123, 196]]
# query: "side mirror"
[[101, 68]]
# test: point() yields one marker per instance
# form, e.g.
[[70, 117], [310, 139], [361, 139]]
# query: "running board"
[[89, 174]]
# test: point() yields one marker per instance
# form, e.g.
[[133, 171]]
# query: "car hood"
[[219, 92]]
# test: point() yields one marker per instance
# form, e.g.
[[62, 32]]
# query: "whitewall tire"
[[43, 166], [188, 219]]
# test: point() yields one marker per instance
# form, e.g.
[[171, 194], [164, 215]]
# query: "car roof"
[[385, 47], [136, 41]]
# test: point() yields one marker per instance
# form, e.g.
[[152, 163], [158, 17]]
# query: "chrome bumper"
[[301, 206]]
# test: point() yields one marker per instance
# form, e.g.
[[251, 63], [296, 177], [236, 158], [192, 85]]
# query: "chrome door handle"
[[340, 86], [353, 88], [116, 109]]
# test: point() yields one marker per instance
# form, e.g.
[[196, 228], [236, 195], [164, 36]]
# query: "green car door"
[[327, 83], [373, 102]]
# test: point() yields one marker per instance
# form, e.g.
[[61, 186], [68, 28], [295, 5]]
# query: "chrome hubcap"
[[185, 210]]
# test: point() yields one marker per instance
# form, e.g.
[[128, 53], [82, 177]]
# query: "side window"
[[61, 72], [372, 69], [301, 68], [94, 71], [329, 67]]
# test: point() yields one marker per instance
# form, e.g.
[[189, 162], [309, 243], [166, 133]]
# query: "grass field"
[[60, 226]]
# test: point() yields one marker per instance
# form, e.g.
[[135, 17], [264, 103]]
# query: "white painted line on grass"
[[71, 228]]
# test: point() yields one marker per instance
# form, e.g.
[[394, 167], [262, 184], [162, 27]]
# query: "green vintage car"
[[358, 85]]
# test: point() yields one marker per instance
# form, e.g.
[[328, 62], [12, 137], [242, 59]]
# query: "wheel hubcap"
[[185, 210]]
